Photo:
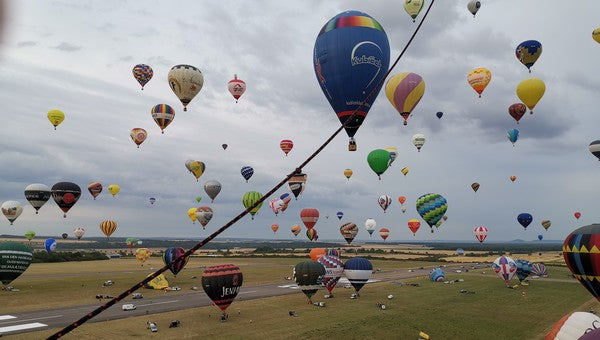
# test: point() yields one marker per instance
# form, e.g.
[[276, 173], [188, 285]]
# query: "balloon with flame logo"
[[222, 284]]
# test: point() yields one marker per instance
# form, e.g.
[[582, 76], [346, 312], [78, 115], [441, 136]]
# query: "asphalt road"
[[59, 317]]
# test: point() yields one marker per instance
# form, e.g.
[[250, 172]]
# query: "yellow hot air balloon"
[[56, 117], [596, 35], [114, 189], [404, 170], [530, 91], [197, 168], [192, 215], [142, 254], [413, 7], [479, 78], [348, 173]]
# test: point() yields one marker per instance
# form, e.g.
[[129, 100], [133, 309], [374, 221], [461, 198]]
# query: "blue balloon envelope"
[[523, 269], [540, 237], [437, 275], [358, 271], [247, 172], [460, 252], [525, 219], [528, 52], [439, 115], [340, 215], [351, 57], [50, 245], [512, 136]]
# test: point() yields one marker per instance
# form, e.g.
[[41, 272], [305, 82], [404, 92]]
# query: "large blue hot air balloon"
[[340, 215], [523, 269], [50, 245], [351, 57], [528, 52], [525, 219], [358, 271]]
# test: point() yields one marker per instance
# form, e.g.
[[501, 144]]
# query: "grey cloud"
[[67, 47], [126, 58], [28, 43]]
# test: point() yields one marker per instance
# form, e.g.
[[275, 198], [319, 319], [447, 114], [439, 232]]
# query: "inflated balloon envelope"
[[15, 258], [581, 251]]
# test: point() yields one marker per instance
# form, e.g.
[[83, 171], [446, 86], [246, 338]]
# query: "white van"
[[129, 306]]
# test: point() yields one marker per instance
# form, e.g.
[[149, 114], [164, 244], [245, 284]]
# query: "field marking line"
[[33, 319], [158, 303], [7, 317], [21, 327], [252, 291]]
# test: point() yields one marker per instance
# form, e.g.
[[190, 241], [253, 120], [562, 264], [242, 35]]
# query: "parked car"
[[107, 283], [152, 327], [137, 296], [129, 306], [347, 285]]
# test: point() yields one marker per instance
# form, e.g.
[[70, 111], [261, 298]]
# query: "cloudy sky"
[[77, 56]]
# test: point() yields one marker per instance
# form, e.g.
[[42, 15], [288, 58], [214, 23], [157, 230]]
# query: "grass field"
[[493, 312]]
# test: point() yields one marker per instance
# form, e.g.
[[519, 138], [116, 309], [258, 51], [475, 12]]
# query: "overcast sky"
[[77, 56]]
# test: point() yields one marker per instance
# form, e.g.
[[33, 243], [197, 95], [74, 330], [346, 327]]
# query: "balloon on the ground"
[[513, 136], [249, 199], [370, 225], [348, 173], [163, 115], [142, 254], [50, 245], [349, 231], [12, 210], [315, 253], [142, 73], [65, 194], [574, 325], [236, 87], [431, 207], [157, 283], [204, 214], [595, 148], [29, 235], [528, 52], [437, 275], [460, 252], [384, 233], [185, 81], [404, 91], [480, 233], [473, 6], [530, 91], [351, 56], [296, 230], [479, 79], [384, 202], [286, 146], [138, 136], [581, 251], [505, 268], [358, 270], [297, 183], [414, 225], [95, 188], [378, 161], [517, 111], [539, 269], [114, 189], [171, 255], [222, 284], [37, 194], [309, 217], [523, 269], [524, 219], [55, 117], [15, 258], [418, 141], [334, 269], [309, 277], [79, 232], [108, 227], [212, 189]]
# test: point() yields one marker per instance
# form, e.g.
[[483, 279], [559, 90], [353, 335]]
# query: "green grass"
[[493, 312]]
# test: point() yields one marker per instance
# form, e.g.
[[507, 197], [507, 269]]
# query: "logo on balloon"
[[363, 59]]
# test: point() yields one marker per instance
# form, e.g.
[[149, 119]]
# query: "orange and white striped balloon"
[[286, 146]]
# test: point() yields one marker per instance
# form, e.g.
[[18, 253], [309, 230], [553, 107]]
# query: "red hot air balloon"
[[236, 87], [480, 233], [309, 217], [517, 111], [286, 146], [384, 233], [577, 214], [414, 225]]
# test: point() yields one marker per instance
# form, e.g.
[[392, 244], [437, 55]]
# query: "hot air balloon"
[[152, 200], [79, 232], [185, 81], [546, 224], [247, 172], [479, 78], [370, 225], [274, 227], [393, 154], [108, 227], [405, 170], [312, 234], [138, 135], [512, 136], [50, 245], [403, 209], [480, 233], [437, 275], [414, 225], [212, 189], [444, 217], [431, 207], [296, 230], [384, 202], [114, 189], [401, 199], [413, 7], [378, 161], [384, 233], [142, 254], [204, 214], [309, 217], [64, 236], [95, 188], [596, 35], [473, 6], [236, 87], [12, 210], [475, 186], [286, 146], [460, 252], [286, 199], [29, 235], [346, 84], [513, 178], [418, 141], [358, 270], [595, 148], [65, 194], [348, 173], [577, 214], [528, 52], [517, 110], [15, 258], [334, 269], [339, 215], [130, 242], [192, 214], [297, 183], [576, 325], [349, 231], [188, 164], [540, 237], [163, 115], [198, 199], [530, 91], [404, 91], [224, 146], [276, 205], [539, 269], [523, 269], [142, 73], [56, 117], [581, 253], [197, 168], [309, 277], [524, 219], [505, 268], [315, 253], [249, 199], [222, 284], [439, 114], [37, 194], [172, 254]]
